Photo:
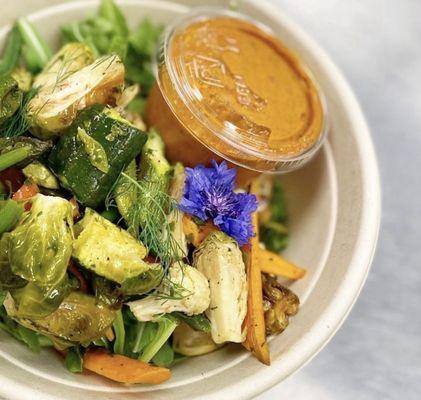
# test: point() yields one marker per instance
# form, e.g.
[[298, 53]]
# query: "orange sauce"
[[234, 91]]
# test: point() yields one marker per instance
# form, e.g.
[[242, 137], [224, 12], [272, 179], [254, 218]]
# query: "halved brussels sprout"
[[70, 58], [55, 106], [41, 175], [10, 97], [78, 319], [220, 260], [23, 77], [8, 280], [108, 250], [40, 246]]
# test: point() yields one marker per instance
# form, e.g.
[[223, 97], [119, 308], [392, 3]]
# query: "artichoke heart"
[[219, 258], [56, 105]]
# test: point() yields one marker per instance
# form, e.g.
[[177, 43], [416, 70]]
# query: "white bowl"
[[334, 208]]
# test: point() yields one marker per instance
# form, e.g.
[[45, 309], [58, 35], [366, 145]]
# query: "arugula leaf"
[[165, 356], [120, 333]]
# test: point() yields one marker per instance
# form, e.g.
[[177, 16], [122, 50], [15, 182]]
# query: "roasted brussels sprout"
[[185, 289], [40, 246], [279, 304], [8, 280], [78, 319], [219, 258], [41, 175], [70, 58], [55, 106], [10, 97], [189, 342], [111, 252], [89, 158], [23, 77]]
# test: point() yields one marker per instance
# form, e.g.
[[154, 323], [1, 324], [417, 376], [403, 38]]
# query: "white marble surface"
[[377, 353]]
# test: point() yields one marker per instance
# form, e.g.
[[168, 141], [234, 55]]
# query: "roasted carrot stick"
[[255, 319], [123, 369], [272, 263]]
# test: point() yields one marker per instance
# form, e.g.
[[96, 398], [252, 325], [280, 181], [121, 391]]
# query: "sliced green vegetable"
[[70, 162], [41, 175], [10, 212], [11, 52], [108, 250], [10, 97], [120, 333], [74, 360], [165, 327], [144, 282], [165, 356], [36, 50], [20, 151], [93, 149], [198, 322]]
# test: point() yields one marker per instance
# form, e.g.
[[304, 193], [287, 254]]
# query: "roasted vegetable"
[[113, 253], [8, 280], [175, 218], [55, 106], [185, 289], [220, 260], [190, 342], [123, 369], [272, 263], [198, 322], [26, 192], [196, 233], [40, 246], [79, 319], [80, 163], [20, 151], [254, 323], [23, 77], [279, 304], [70, 58], [41, 175], [10, 97], [162, 329]]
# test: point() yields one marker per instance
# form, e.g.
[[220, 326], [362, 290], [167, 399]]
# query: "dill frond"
[[18, 123]]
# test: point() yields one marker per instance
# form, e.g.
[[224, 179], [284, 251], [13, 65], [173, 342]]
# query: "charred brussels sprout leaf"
[[79, 319], [279, 304], [70, 58], [10, 97], [55, 106], [116, 143], [40, 246], [8, 280], [144, 282]]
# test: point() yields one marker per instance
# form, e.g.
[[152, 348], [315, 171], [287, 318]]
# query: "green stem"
[[120, 333], [10, 213], [11, 52], [13, 157], [35, 43], [138, 340]]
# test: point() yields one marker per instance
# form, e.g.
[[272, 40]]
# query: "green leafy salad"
[[123, 262]]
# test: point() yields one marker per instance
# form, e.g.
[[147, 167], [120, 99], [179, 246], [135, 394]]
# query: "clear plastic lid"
[[240, 91]]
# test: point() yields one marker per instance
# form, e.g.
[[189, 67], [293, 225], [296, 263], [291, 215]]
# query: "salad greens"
[[102, 251]]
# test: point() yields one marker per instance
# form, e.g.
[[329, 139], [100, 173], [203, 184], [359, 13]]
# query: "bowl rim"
[[348, 291]]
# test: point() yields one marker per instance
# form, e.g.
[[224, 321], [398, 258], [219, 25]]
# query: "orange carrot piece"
[[272, 263], [123, 369], [26, 191], [255, 318], [195, 233]]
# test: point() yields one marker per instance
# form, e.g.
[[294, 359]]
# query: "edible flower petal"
[[209, 195]]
